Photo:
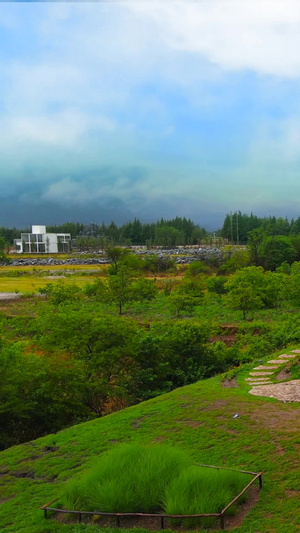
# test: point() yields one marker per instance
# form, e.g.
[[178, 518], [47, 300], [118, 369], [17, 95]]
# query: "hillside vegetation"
[[198, 418], [141, 329]]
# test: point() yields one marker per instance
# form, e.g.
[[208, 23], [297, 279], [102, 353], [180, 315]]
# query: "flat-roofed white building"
[[41, 242]]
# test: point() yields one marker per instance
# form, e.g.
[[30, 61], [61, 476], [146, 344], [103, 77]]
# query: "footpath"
[[272, 378]]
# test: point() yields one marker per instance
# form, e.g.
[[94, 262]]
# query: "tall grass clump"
[[130, 478], [200, 490]]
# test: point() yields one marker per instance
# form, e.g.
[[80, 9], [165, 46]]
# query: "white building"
[[41, 242]]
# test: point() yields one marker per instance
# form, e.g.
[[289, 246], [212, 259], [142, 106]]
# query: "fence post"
[[222, 521], [162, 522]]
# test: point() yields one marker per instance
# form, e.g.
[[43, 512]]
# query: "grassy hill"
[[198, 418]]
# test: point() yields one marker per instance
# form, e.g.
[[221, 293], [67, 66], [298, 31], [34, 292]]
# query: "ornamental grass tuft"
[[154, 479], [130, 478], [201, 490]]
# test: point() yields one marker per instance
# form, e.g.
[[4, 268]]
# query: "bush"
[[97, 289], [217, 285], [182, 304], [195, 268], [60, 292], [144, 289], [159, 263]]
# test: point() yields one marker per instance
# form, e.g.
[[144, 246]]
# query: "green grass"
[[200, 490], [153, 479], [197, 419], [130, 478]]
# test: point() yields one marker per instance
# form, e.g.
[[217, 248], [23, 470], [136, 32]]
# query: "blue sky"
[[111, 110]]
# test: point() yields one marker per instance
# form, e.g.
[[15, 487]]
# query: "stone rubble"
[[182, 255]]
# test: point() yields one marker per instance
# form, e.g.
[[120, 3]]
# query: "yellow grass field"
[[83, 268], [29, 279], [32, 284]]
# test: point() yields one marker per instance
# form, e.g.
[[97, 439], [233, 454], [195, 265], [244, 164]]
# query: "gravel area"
[[286, 392], [9, 296]]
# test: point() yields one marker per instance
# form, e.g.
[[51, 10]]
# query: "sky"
[[113, 110]]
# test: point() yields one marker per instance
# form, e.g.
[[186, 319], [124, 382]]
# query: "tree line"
[[172, 232], [237, 226], [165, 232]]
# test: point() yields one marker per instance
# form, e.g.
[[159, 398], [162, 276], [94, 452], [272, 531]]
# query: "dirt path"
[[9, 296]]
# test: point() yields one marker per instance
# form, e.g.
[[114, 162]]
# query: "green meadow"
[[61, 341], [198, 419]]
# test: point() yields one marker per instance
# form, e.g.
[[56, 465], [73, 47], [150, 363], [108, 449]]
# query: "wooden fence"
[[161, 517]]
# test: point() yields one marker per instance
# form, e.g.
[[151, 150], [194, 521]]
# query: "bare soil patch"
[[229, 383], [283, 374], [273, 417]]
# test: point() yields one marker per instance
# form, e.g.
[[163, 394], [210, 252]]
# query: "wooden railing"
[[161, 517]]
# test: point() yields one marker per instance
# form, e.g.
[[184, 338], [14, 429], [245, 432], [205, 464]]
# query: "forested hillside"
[[99, 339]]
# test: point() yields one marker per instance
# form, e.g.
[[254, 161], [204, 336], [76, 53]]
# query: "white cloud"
[[62, 129], [263, 36]]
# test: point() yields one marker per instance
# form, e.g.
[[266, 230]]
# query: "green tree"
[[233, 260], [255, 239], [104, 346], [144, 289], [274, 292], [181, 304], [193, 287], [170, 355], [3, 244], [159, 263], [245, 290], [217, 285], [195, 268], [168, 236], [61, 292], [293, 285], [120, 287], [244, 298], [38, 395], [116, 255], [276, 250]]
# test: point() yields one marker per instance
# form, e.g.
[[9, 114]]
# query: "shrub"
[[195, 268], [97, 289], [60, 292], [144, 289], [217, 285]]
